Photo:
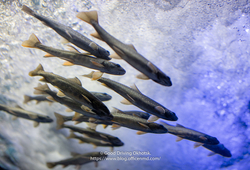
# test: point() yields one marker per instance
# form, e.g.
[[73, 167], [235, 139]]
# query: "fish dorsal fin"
[[132, 46], [160, 109], [115, 126], [104, 126], [119, 52], [178, 139], [91, 125], [133, 86], [178, 125], [76, 116], [142, 76], [93, 46], [96, 35], [152, 67], [152, 118], [197, 144], [60, 94], [126, 102], [117, 110], [211, 154], [75, 80], [73, 49], [97, 64], [69, 110], [67, 63], [115, 56], [143, 125], [36, 124], [140, 132]]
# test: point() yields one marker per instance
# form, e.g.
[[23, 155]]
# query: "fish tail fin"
[[51, 165], [36, 71], [28, 10], [31, 42], [94, 75], [26, 99], [40, 89], [88, 16], [71, 135], [59, 121]]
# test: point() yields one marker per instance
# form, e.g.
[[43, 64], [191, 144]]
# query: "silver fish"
[[135, 97], [126, 52], [71, 35], [75, 58], [20, 112], [38, 99], [218, 149], [72, 89], [190, 134], [79, 159]]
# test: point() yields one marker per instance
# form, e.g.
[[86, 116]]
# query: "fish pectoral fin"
[[51, 98], [67, 32], [118, 51], [143, 125], [105, 137], [60, 94], [140, 132], [211, 154], [73, 49], [203, 138], [142, 76], [104, 142], [104, 126], [132, 46], [178, 139], [67, 63], [64, 41], [133, 86], [96, 35], [94, 145], [75, 80], [43, 80], [96, 75], [126, 102], [197, 144], [36, 124], [48, 55], [160, 109], [69, 110], [93, 46], [86, 98], [91, 125], [76, 116], [152, 67], [152, 118], [115, 56], [14, 117], [85, 108], [97, 64], [92, 120], [179, 125], [80, 142], [115, 126]]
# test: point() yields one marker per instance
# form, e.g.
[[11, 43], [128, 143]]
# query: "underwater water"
[[203, 46]]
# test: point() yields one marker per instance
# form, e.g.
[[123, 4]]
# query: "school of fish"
[[89, 106]]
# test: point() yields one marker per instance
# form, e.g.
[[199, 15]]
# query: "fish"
[[38, 99], [217, 149], [79, 159], [73, 89], [20, 112], [95, 134], [71, 35], [93, 141], [102, 96], [185, 133], [126, 52], [122, 119], [135, 97], [75, 58]]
